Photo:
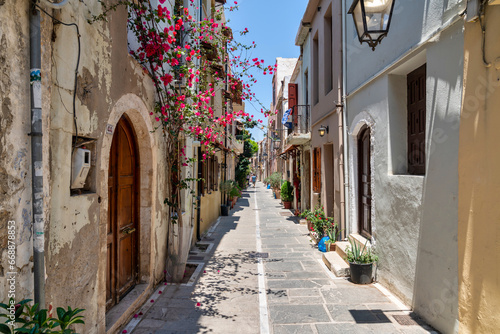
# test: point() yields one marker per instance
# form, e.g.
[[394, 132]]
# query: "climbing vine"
[[190, 61]]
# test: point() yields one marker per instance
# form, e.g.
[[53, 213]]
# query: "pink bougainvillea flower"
[[136, 315], [198, 304], [152, 300], [124, 331]]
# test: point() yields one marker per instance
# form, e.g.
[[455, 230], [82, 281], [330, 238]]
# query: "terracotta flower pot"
[[331, 247], [287, 205], [310, 225]]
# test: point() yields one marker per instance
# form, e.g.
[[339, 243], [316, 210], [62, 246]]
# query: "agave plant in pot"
[[332, 232], [361, 261], [287, 194]]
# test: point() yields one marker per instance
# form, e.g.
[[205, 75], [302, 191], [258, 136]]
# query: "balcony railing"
[[300, 120]]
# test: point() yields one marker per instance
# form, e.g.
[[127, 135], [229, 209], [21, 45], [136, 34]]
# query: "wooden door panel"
[[122, 269], [125, 259]]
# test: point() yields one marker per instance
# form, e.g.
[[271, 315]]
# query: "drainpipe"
[[344, 122], [36, 157]]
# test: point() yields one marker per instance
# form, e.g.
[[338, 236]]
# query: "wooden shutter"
[[210, 174], [292, 101], [317, 169], [416, 120], [204, 175], [216, 173]]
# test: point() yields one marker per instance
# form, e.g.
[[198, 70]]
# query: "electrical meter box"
[[80, 167]]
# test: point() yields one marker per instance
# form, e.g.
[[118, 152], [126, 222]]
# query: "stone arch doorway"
[[123, 214], [150, 260]]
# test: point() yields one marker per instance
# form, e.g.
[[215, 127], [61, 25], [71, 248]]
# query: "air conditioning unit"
[[80, 167]]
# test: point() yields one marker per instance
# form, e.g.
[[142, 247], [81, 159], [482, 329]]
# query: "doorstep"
[[336, 264]]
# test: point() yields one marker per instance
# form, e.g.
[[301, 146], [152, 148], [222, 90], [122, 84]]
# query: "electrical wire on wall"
[[76, 70], [482, 9]]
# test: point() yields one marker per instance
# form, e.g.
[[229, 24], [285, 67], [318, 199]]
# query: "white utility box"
[[80, 166]]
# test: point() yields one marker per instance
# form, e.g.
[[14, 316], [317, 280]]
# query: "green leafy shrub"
[[226, 186], [275, 180], [287, 191], [37, 321]]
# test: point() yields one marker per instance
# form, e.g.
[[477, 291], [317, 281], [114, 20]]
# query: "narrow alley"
[[229, 294]]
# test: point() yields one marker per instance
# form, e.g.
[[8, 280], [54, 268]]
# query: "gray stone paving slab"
[[307, 275], [292, 329], [304, 293], [296, 314], [282, 266], [296, 283]]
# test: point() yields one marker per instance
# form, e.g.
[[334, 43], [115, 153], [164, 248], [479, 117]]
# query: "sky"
[[273, 25]]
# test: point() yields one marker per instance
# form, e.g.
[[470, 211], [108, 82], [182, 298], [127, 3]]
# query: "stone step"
[[336, 264], [341, 247]]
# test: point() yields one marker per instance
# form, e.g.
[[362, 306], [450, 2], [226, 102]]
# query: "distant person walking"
[[254, 179]]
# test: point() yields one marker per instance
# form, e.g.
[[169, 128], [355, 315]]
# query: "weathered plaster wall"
[[413, 217], [479, 180], [15, 146], [396, 199], [110, 85], [436, 285]]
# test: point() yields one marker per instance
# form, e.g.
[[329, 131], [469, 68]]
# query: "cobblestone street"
[[261, 239]]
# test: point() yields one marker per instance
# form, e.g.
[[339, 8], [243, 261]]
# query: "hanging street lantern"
[[372, 19]]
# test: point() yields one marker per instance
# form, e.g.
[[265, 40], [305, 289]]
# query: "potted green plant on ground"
[[234, 193], [332, 232], [306, 214], [275, 181], [225, 188], [287, 194], [360, 262]]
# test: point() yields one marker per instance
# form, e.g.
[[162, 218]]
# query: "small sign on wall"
[[109, 129]]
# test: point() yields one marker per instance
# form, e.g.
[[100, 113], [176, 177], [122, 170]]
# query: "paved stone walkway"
[[301, 296]]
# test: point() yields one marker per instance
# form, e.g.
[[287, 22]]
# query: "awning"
[[288, 149]]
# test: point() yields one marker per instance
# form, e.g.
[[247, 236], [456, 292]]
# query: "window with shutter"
[[416, 120]]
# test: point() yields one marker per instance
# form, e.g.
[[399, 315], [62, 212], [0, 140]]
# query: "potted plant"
[[287, 194], [275, 181], [225, 188], [332, 232], [306, 214], [360, 262], [234, 193]]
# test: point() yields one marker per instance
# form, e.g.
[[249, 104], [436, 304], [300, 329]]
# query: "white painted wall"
[[413, 21]]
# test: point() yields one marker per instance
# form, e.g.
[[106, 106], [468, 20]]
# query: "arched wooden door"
[[122, 230], [364, 175]]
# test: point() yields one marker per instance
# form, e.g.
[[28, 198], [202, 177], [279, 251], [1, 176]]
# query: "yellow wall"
[[210, 209], [479, 182]]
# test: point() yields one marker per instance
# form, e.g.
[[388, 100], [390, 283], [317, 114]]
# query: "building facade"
[[403, 107]]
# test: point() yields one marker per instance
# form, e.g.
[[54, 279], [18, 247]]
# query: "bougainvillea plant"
[[191, 61]]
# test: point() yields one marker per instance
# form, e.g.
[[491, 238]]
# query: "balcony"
[[300, 131]]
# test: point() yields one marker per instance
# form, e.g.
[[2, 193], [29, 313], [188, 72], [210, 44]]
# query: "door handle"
[[128, 230]]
